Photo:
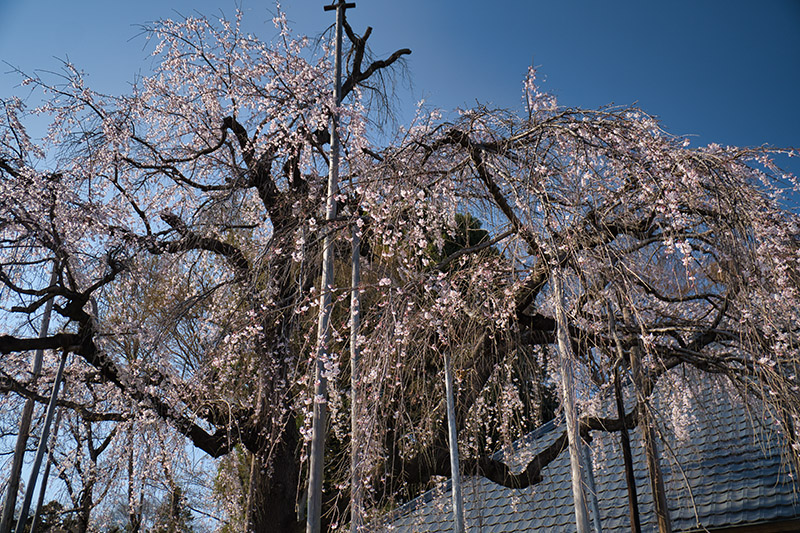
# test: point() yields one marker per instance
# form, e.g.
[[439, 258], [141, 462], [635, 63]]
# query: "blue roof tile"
[[735, 476]]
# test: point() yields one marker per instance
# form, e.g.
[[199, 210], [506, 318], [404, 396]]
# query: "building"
[[723, 467]]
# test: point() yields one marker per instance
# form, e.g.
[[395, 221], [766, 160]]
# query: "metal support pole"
[[46, 475], [455, 474], [590, 485], [570, 410], [37, 462], [320, 415], [25, 422], [356, 510]]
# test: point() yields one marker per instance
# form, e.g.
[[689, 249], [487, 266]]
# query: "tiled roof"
[[718, 472]]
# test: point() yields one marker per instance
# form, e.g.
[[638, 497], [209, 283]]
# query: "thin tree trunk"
[[86, 503], [570, 411]]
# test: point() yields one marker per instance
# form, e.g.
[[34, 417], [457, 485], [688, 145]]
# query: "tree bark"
[[274, 485]]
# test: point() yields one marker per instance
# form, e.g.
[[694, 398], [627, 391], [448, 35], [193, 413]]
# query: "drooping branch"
[[216, 444], [11, 385], [435, 461], [83, 344]]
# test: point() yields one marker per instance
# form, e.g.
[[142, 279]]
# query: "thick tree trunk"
[[273, 486]]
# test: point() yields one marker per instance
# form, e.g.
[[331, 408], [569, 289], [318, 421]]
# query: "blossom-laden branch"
[[9, 384], [184, 221]]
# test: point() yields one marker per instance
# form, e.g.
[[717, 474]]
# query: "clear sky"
[[726, 71]]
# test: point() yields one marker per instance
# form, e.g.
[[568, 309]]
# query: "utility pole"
[[320, 415]]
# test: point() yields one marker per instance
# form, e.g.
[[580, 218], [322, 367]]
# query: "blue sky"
[[725, 71]]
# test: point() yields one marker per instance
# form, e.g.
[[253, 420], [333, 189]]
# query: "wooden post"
[[46, 475], [651, 452], [37, 462], [630, 478], [587, 462]]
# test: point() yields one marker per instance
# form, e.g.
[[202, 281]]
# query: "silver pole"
[[570, 410], [458, 501], [320, 413], [37, 462], [25, 422], [46, 474], [356, 518]]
